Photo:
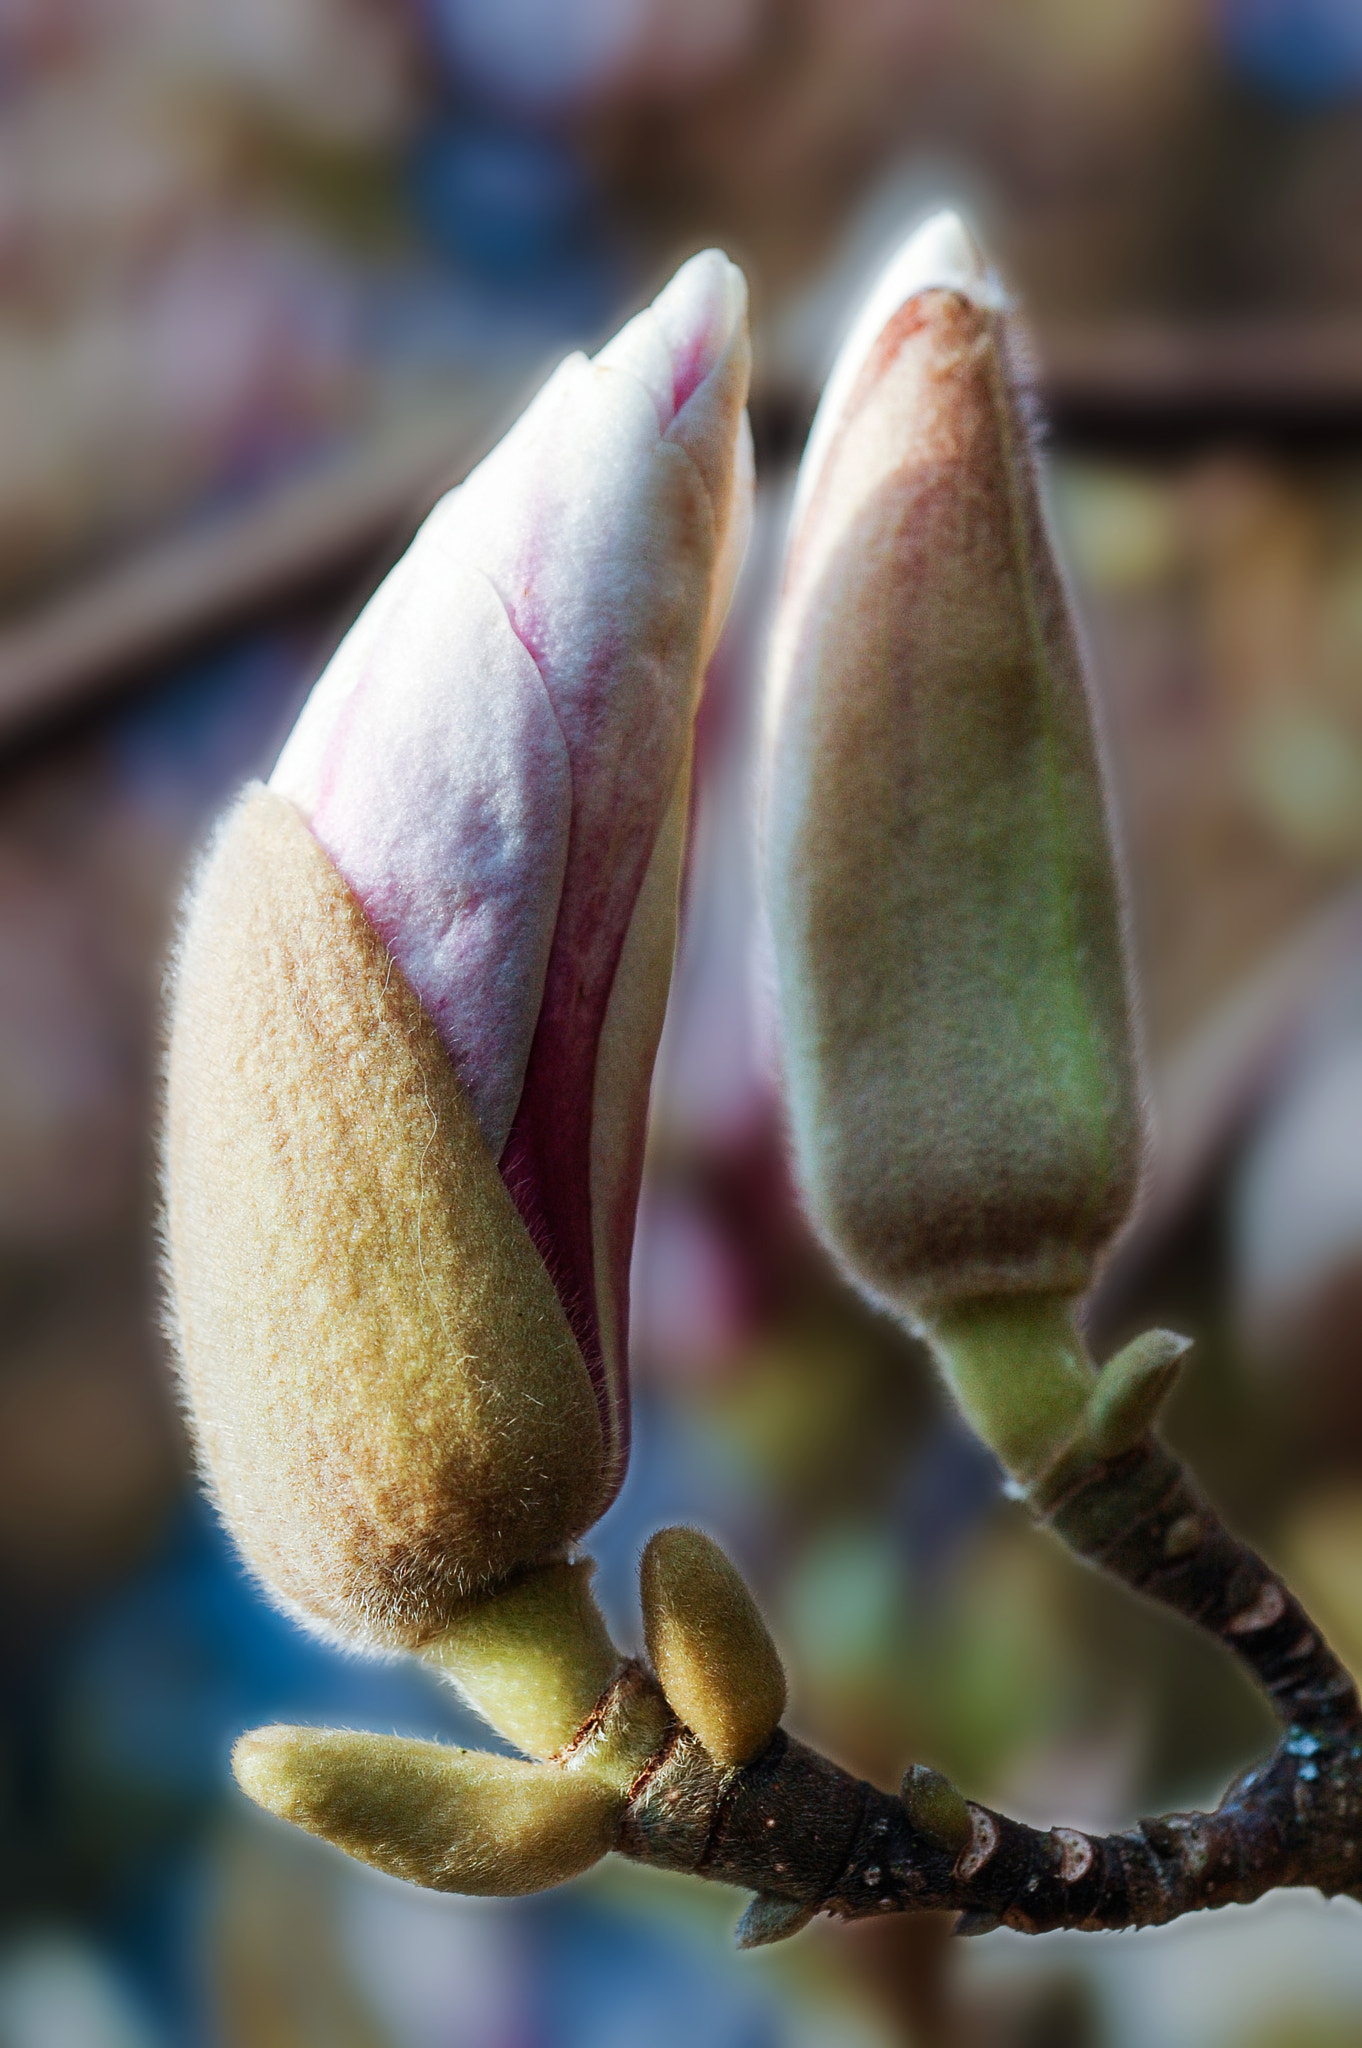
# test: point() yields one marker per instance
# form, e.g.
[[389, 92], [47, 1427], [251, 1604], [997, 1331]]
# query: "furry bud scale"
[[455, 1820], [391, 1406]]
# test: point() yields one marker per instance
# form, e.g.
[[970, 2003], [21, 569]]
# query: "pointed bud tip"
[[675, 344], [707, 291], [260, 1765], [941, 254], [699, 312]]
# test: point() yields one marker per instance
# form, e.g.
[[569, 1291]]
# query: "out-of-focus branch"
[[85, 643]]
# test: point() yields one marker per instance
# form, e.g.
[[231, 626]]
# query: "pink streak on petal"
[[625, 709], [696, 314], [674, 344], [444, 799]]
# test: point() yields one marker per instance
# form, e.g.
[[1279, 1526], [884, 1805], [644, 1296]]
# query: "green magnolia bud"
[[453, 1819], [709, 1646], [948, 933]]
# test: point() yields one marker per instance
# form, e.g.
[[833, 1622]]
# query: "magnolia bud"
[[387, 1393], [948, 933], [498, 762], [417, 1004]]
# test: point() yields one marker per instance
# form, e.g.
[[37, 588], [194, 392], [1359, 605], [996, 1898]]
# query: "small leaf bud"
[[710, 1648], [1131, 1389], [455, 1820], [769, 1919], [935, 1806]]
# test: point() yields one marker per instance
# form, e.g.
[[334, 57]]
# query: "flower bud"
[[418, 999], [948, 934]]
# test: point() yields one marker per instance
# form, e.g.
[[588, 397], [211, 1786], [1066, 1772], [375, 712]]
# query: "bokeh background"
[[272, 274]]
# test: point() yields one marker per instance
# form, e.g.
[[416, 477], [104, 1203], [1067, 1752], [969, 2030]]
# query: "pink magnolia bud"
[[496, 763]]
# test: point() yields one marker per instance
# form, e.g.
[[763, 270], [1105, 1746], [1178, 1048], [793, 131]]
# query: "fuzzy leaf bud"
[[455, 1820], [709, 1646]]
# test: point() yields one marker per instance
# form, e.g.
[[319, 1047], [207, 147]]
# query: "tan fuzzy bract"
[[455, 1820], [948, 932], [709, 1646], [384, 1387]]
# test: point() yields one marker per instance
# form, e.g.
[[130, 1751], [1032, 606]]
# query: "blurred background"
[[273, 273]]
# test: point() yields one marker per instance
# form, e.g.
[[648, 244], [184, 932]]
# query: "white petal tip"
[[674, 344], [700, 312], [943, 253], [711, 281]]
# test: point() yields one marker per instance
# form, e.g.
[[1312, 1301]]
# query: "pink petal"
[[445, 803], [492, 754], [616, 595]]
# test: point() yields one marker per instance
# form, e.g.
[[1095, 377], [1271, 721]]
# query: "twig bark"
[[808, 1837]]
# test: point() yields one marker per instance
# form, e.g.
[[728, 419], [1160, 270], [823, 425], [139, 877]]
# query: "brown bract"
[[387, 1396], [952, 981]]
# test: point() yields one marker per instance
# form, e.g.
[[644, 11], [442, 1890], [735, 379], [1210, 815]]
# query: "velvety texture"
[[452, 1819], [952, 979], [709, 1646], [535, 1659], [497, 761], [388, 1399]]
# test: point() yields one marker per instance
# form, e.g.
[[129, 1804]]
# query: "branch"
[[807, 1837]]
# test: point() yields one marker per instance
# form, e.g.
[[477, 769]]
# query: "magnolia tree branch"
[[808, 1837]]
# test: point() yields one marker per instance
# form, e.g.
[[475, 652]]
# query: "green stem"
[[1020, 1372], [533, 1657]]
